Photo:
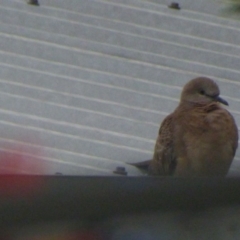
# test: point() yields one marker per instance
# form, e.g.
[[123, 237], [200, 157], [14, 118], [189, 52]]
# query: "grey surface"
[[92, 80]]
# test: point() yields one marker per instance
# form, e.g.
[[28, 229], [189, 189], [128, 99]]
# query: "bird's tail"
[[144, 165]]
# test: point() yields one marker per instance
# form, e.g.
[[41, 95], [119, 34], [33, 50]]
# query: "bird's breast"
[[205, 141]]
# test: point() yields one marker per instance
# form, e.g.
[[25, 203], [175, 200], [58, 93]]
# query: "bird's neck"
[[206, 107]]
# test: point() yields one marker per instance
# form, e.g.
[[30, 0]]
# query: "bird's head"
[[201, 90]]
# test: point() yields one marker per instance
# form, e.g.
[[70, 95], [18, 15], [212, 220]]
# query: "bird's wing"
[[164, 161]]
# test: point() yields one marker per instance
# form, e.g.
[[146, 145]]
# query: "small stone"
[[174, 5], [120, 170], [33, 2]]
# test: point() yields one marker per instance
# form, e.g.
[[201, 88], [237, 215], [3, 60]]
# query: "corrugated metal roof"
[[92, 80]]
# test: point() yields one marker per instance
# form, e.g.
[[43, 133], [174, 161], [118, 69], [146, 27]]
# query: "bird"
[[199, 138]]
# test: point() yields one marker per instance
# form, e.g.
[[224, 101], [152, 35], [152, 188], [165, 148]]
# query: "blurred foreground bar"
[[97, 199], [91, 198]]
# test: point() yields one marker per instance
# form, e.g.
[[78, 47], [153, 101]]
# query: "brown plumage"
[[199, 138]]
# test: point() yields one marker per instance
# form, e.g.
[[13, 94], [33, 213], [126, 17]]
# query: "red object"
[[17, 163]]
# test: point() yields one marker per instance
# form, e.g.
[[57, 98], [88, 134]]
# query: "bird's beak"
[[221, 100]]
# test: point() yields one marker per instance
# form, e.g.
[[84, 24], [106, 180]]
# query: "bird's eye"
[[202, 92]]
